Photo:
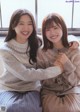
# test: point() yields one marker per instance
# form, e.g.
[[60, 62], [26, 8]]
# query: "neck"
[[58, 45], [21, 41]]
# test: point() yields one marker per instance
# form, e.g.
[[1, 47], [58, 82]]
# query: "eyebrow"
[[27, 21]]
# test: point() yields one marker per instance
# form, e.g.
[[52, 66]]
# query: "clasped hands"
[[61, 59]]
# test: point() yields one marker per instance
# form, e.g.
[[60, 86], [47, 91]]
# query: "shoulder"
[[45, 53], [40, 52], [75, 51], [4, 49], [74, 55]]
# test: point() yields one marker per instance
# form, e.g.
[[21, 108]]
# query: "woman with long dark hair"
[[20, 80]]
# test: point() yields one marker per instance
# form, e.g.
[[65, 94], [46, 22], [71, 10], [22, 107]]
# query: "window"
[[68, 9], [76, 15], [8, 7]]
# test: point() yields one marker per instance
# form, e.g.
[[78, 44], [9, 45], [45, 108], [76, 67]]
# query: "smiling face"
[[54, 33], [23, 29]]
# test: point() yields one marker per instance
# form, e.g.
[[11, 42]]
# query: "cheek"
[[31, 29], [61, 33], [47, 34], [16, 30]]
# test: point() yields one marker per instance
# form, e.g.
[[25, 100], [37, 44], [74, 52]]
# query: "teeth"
[[26, 33], [53, 36]]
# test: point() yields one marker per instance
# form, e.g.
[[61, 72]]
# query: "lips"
[[25, 33], [54, 37]]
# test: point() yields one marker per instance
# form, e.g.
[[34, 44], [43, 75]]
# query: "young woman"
[[62, 93], [19, 83]]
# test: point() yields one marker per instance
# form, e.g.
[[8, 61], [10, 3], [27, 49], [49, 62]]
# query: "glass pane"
[[76, 19], [0, 13], [9, 6], [0, 21], [63, 7]]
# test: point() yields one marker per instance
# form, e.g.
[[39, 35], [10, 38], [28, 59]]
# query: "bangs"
[[49, 24]]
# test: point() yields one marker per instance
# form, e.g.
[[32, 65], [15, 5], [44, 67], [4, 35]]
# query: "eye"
[[47, 29], [30, 24], [20, 23], [55, 27]]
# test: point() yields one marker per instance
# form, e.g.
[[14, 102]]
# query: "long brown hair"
[[32, 40], [47, 23]]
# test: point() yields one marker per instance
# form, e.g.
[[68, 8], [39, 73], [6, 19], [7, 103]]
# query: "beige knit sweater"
[[69, 80]]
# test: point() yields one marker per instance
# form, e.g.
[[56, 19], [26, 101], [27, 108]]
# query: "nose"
[[26, 27], [52, 31]]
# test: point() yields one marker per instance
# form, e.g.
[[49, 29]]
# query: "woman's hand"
[[57, 63], [74, 45], [61, 59]]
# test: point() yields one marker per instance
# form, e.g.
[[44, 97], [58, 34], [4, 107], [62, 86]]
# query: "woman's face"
[[23, 29], [54, 33]]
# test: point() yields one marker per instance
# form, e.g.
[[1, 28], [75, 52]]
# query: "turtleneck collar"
[[18, 46]]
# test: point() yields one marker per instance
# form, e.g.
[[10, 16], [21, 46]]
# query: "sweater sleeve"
[[18, 70], [72, 73]]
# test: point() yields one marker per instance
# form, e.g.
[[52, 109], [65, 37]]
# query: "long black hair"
[[32, 40]]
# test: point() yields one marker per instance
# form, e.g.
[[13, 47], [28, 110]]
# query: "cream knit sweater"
[[19, 74]]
